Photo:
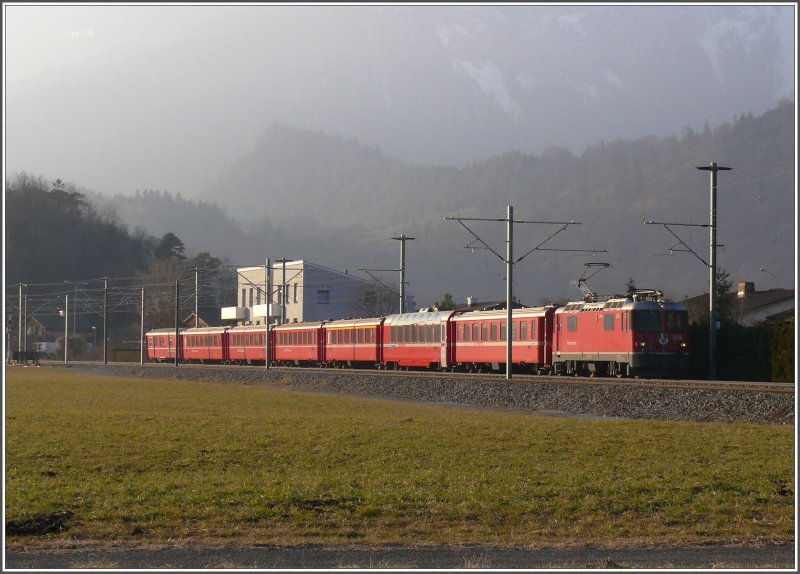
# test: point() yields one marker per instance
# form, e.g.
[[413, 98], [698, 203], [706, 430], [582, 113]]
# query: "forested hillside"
[[53, 233], [56, 241], [304, 194]]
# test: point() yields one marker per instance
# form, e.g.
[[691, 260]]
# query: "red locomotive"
[[638, 335]]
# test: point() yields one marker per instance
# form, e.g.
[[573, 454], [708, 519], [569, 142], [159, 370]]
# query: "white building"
[[304, 291]]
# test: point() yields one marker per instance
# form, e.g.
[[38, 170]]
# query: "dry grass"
[[147, 461]]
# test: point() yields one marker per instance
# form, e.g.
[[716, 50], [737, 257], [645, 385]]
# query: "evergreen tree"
[[447, 303]]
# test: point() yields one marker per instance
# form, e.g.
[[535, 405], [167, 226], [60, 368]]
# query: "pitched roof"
[[55, 323], [744, 305], [786, 316]]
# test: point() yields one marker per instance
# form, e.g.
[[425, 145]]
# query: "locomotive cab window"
[[572, 323], [647, 321], [608, 322]]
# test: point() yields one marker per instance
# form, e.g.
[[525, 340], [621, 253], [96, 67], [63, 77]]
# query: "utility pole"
[[196, 297], [283, 294], [712, 273], [402, 239], [509, 287], [66, 326], [141, 333], [19, 325], [105, 320], [711, 263], [509, 261], [25, 327], [268, 301], [177, 318]]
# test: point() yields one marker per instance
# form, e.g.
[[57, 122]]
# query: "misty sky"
[[120, 98]]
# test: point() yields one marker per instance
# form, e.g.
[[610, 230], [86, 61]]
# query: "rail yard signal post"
[[510, 261]]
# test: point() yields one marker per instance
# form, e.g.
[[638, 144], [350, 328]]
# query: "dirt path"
[[439, 557]]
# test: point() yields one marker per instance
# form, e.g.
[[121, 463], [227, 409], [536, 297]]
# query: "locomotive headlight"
[[683, 345]]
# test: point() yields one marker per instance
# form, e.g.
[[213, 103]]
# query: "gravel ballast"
[[574, 399]]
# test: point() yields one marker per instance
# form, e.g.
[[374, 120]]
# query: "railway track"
[[685, 384]]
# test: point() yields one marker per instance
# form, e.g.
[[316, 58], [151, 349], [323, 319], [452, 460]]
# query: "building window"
[[323, 296], [295, 292], [244, 298], [251, 297]]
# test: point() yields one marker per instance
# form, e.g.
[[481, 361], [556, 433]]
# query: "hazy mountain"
[[335, 201], [164, 97]]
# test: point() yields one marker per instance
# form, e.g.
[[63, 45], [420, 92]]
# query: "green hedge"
[[762, 352]]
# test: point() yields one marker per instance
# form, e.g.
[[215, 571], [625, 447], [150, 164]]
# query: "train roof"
[[298, 326], [164, 331], [204, 330], [343, 323], [425, 318], [623, 303], [517, 313]]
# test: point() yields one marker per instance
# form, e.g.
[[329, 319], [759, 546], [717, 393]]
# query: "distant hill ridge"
[[317, 195]]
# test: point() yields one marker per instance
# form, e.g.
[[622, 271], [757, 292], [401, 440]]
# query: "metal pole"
[[285, 295], [196, 297], [268, 301], [75, 309], [25, 329], [712, 271], [66, 327], [177, 319], [712, 278], [770, 274], [141, 334], [509, 287], [402, 239], [402, 273], [19, 327], [105, 320]]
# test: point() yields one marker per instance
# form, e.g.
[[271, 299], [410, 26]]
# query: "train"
[[637, 335]]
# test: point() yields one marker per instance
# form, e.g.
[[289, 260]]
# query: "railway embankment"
[[589, 398]]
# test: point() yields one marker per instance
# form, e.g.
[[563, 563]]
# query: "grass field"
[[138, 460]]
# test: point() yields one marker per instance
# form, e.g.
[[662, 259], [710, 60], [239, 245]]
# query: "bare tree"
[[374, 300]]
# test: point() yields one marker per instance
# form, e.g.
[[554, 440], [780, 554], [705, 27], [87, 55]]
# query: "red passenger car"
[[161, 345], [418, 340], [354, 343], [297, 344], [480, 342], [247, 345], [204, 345], [641, 335]]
